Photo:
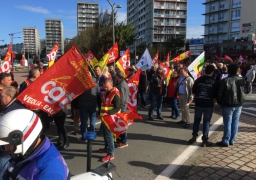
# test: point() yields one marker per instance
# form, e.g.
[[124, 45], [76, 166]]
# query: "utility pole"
[[11, 35]]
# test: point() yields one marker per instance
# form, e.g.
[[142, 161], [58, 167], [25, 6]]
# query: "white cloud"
[[121, 16], [34, 9], [195, 32]]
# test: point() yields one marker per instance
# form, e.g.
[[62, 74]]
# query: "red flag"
[[133, 84], [155, 58], [118, 123], [52, 55], [167, 57], [167, 71], [91, 58], [216, 57], [123, 62], [227, 58], [113, 53], [58, 86], [7, 60]]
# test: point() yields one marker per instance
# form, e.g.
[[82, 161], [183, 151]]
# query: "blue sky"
[[16, 15]]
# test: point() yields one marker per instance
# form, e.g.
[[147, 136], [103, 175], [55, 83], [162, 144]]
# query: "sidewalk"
[[20, 75], [233, 162]]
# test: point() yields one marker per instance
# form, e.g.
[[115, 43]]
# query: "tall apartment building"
[[31, 40], [87, 15], [229, 26], [156, 21], [54, 34]]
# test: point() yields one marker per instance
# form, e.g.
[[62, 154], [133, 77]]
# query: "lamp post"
[[113, 6], [11, 36], [135, 46]]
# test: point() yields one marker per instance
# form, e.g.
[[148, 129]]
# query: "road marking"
[[249, 113], [250, 108], [56, 137], [183, 157]]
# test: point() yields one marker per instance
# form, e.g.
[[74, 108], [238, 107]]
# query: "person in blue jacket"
[[33, 156]]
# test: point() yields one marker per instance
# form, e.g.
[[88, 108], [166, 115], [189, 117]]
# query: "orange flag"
[[7, 60], [113, 53], [55, 88], [52, 55], [167, 57], [118, 123], [123, 62], [133, 84], [155, 58]]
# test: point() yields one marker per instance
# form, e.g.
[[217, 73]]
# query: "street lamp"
[[135, 46], [11, 35], [113, 6]]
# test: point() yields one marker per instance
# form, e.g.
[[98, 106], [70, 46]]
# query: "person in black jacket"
[[158, 87], [142, 88], [204, 92], [231, 98]]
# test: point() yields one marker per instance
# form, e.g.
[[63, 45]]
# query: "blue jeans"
[[231, 117], [142, 97], [175, 108], [159, 99], [199, 111], [86, 112], [108, 139]]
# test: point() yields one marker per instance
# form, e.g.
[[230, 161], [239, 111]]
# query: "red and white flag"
[[118, 123], [133, 84], [113, 54], [167, 72], [155, 58], [167, 57], [227, 58], [123, 62], [7, 61], [52, 55]]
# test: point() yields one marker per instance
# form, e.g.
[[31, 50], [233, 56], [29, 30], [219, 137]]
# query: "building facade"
[[31, 40], [87, 15], [229, 27], [54, 34], [155, 21]]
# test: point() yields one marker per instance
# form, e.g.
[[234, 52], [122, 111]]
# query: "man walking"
[[231, 98], [111, 104], [185, 85], [158, 87], [249, 78], [124, 94], [204, 91]]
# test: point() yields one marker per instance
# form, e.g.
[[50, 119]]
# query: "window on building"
[[221, 16], [236, 3], [235, 15], [167, 12], [221, 28], [211, 18], [235, 26], [211, 29], [182, 21], [212, 7], [222, 5], [234, 36], [220, 39]]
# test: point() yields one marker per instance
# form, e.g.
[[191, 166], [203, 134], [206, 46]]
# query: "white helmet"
[[20, 127]]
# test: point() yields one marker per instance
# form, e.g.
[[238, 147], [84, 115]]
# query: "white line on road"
[[183, 157], [249, 113], [55, 137]]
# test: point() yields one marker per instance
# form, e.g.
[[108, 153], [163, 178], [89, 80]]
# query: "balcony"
[[236, 5]]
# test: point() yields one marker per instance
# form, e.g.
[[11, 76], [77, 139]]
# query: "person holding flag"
[[32, 76], [111, 104], [158, 87]]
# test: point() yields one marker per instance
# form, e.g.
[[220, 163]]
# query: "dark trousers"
[[62, 132]]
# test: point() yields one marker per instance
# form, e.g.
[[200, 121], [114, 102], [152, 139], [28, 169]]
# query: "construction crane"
[[2, 40], [12, 34]]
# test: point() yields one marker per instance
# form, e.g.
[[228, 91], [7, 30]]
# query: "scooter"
[[102, 172]]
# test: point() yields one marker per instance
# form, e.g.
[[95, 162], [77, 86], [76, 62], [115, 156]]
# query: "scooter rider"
[[33, 156]]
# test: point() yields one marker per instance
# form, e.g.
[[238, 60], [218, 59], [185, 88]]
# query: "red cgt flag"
[[167, 72], [118, 123], [123, 62], [52, 55], [58, 86], [217, 58], [227, 58], [7, 61], [133, 84], [113, 53]]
